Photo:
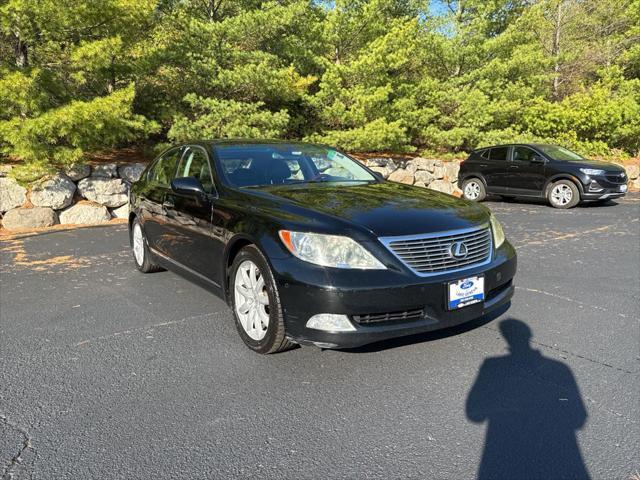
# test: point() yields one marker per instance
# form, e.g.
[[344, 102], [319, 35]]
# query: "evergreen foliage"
[[366, 75]]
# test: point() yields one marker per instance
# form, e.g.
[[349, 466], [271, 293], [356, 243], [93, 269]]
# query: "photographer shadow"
[[532, 407]]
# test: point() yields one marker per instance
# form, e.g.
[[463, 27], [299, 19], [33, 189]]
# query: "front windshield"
[[254, 165], [559, 153]]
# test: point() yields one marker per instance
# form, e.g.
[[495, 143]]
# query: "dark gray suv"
[[561, 176]]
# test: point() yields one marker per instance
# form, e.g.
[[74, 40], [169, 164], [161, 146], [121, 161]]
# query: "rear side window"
[[499, 153], [164, 170], [194, 163]]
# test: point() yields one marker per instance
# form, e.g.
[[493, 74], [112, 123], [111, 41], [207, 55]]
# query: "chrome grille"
[[431, 254], [618, 178]]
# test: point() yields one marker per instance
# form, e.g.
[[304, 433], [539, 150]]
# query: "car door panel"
[[190, 217], [495, 171], [526, 177], [153, 198]]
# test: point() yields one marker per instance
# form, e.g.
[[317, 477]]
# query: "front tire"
[[563, 194], [141, 254], [256, 303], [473, 189]]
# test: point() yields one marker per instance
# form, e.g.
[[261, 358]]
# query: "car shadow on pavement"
[[532, 407], [429, 336]]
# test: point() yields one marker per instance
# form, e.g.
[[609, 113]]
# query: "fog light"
[[330, 322], [595, 186]]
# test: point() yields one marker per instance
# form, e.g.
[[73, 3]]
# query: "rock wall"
[[89, 195], [79, 195], [422, 172]]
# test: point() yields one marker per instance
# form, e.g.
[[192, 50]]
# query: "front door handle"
[[514, 166]]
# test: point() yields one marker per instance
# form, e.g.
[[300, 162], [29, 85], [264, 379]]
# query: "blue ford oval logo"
[[466, 285]]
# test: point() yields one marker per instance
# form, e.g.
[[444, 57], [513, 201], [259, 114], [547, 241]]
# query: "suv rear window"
[[499, 153]]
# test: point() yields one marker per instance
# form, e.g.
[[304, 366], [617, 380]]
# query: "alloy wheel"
[[251, 300], [561, 194], [138, 244], [472, 190]]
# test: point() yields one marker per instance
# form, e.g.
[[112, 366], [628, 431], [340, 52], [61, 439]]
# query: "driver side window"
[[522, 154], [195, 164]]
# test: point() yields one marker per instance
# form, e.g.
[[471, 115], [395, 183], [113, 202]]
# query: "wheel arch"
[[563, 176], [471, 175], [232, 249]]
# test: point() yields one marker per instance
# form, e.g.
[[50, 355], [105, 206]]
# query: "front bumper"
[[306, 290], [602, 188]]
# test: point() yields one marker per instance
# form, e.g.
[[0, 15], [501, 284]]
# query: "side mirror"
[[536, 159], [187, 186], [378, 176]]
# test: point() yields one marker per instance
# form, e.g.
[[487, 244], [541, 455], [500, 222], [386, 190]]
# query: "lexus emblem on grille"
[[458, 250]]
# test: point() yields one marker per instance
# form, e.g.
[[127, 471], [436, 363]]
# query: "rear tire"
[[473, 189], [563, 194], [256, 303], [141, 254]]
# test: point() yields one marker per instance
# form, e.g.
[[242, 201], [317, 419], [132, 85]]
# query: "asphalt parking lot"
[[109, 373]]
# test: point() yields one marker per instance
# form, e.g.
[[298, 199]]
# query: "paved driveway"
[[109, 373]]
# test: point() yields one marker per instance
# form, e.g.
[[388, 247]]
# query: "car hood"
[[384, 209], [607, 166]]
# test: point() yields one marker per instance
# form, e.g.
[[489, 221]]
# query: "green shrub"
[[213, 118]]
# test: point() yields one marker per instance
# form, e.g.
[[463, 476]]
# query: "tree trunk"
[[21, 53], [555, 51]]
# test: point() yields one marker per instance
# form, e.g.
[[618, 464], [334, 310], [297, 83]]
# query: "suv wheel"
[[256, 303], [473, 189], [563, 194], [141, 255]]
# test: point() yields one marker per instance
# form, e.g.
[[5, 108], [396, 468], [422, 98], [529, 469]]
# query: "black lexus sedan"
[[561, 176], [308, 246]]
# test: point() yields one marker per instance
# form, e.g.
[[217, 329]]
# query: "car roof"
[[246, 141], [534, 145]]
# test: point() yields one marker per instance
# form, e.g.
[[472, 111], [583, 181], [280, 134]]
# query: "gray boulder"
[[78, 171], [424, 177], [29, 218], [384, 166], [402, 176], [427, 164], [85, 213], [120, 212], [451, 170], [105, 170], [12, 195], [110, 192], [131, 172], [442, 186], [55, 192], [633, 171]]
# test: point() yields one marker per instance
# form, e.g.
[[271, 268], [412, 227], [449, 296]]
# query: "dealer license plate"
[[466, 291]]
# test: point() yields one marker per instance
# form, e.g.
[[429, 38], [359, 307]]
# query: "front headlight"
[[329, 250], [592, 171], [498, 233]]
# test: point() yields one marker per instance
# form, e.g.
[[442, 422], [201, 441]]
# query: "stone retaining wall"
[[79, 195], [89, 195], [422, 172]]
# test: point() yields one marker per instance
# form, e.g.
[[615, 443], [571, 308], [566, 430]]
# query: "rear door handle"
[[168, 204], [514, 166]]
